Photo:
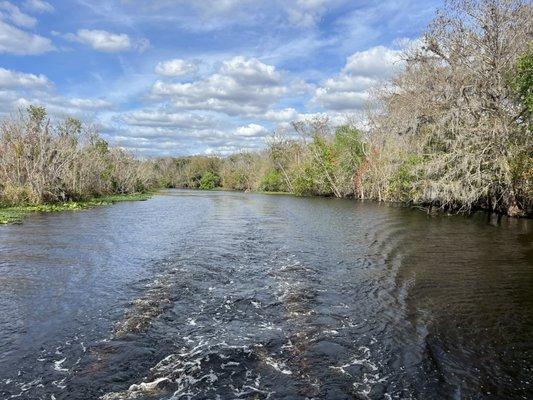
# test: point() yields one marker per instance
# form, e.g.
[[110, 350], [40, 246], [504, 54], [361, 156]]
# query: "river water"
[[222, 295]]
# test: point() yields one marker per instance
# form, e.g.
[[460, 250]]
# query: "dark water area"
[[221, 295]]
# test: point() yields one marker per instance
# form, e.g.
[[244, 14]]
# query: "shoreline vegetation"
[[452, 130], [15, 214]]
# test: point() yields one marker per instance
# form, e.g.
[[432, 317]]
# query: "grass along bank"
[[14, 215]]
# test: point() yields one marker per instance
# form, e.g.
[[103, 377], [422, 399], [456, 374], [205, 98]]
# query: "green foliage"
[[71, 128], [303, 181], [209, 181], [349, 146], [37, 114], [10, 215], [321, 170], [101, 146], [521, 166], [196, 167], [271, 182], [522, 82], [402, 183]]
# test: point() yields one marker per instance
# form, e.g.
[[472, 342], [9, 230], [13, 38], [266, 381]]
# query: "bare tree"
[[455, 107]]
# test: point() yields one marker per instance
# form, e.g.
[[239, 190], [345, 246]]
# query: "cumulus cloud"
[[39, 6], [364, 70], [57, 106], [164, 118], [11, 12], [377, 62], [250, 71], [284, 115], [16, 41], [15, 79], [108, 42], [176, 67], [169, 140], [241, 86], [251, 130], [19, 89]]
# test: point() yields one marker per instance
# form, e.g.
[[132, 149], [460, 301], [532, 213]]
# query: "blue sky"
[[175, 77]]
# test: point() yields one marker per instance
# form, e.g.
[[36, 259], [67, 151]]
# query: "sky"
[[181, 77]]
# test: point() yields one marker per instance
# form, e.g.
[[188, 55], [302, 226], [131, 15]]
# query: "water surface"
[[206, 295]]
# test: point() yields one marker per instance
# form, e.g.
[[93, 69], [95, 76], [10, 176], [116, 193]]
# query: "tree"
[[456, 109]]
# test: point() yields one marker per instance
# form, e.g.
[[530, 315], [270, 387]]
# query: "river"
[[226, 295]]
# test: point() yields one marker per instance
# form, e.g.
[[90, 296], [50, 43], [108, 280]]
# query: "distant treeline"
[[452, 130]]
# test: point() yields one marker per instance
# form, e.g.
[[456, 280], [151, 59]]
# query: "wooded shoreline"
[[452, 130]]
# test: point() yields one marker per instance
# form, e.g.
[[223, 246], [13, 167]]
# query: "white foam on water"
[[57, 365], [60, 384], [251, 390], [147, 386], [370, 377], [24, 387], [277, 365]]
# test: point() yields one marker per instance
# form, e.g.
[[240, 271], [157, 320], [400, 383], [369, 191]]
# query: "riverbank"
[[429, 209], [15, 215]]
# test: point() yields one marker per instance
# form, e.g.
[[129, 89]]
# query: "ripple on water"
[[257, 297]]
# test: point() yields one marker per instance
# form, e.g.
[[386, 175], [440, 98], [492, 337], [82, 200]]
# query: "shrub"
[[209, 181], [271, 182]]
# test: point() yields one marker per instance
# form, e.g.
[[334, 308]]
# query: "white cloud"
[[39, 6], [16, 41], [176, 67], [18, 90], [250, 71], [88, 104], [12, 13], [172, 140], [377, 62], [15, 79], [251, 130], [240, 87], [163, 118], [103, 40], [363, 71], [285, 115], [109, 42]]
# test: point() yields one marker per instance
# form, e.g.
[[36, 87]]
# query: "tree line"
[[451, 130], [42, 163]]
